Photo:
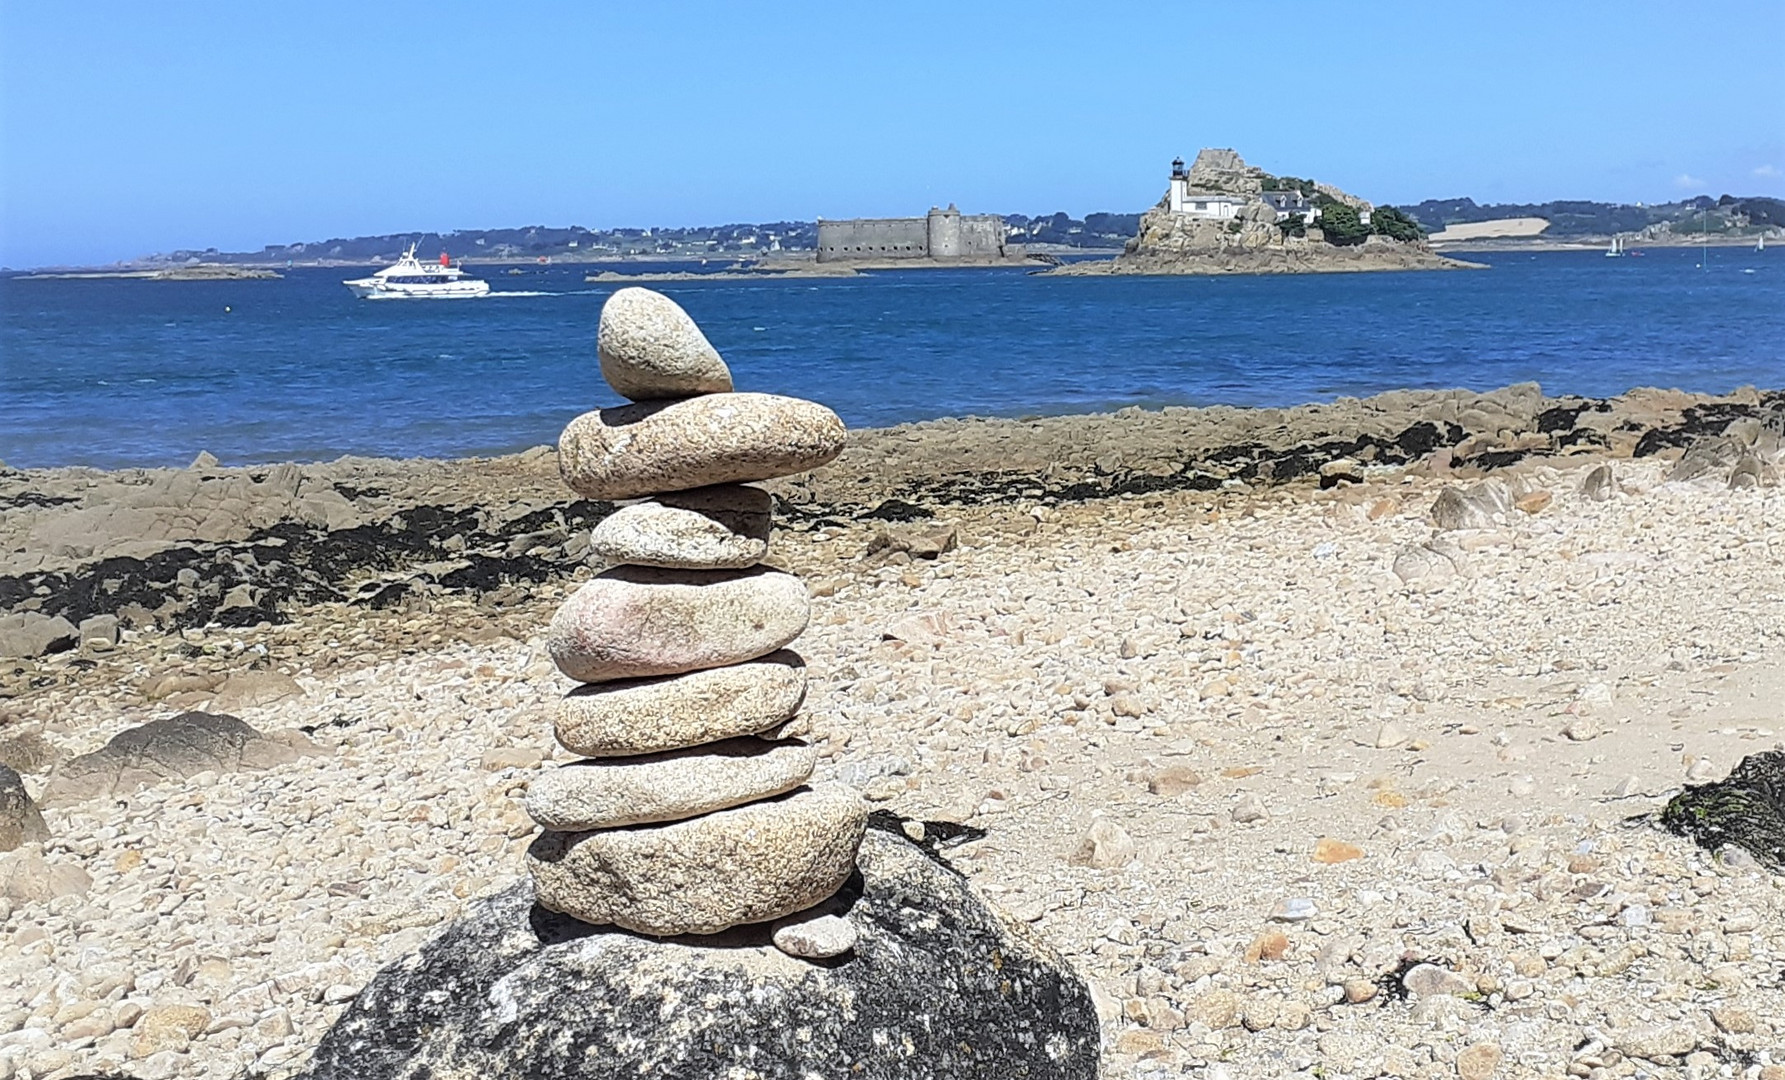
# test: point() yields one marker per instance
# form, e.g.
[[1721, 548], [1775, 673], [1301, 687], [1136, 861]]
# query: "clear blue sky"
[[131, 127]]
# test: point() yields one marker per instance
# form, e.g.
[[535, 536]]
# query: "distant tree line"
[[1579, 217], [1099, 230]]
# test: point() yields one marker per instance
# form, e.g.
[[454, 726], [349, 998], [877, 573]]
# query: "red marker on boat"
[[444, 261]]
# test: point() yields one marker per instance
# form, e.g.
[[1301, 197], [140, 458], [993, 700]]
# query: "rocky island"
[[1223, 216], [184, 272]]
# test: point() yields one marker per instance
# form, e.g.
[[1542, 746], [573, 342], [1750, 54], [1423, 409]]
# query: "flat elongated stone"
[[710, 528], [641, 716], [634, 622], [650, 348], [748, 864], [636, 450], [670, 786]]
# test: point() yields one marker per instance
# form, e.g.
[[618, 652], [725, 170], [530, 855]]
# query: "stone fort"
[[940, 234]]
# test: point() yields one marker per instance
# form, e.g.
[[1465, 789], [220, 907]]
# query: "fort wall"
[[873, 238], [941, 234]]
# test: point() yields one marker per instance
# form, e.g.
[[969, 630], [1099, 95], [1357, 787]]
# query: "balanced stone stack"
[[687, 815]]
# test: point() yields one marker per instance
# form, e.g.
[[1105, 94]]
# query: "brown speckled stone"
[[637, 450], [642, 716], [671, 786], [711, 528]]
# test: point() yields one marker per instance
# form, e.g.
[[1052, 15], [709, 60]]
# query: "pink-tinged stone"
[[634, 622]]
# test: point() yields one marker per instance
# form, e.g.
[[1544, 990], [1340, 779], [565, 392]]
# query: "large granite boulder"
[[937, 986]]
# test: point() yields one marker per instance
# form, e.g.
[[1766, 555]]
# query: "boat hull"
[[374, 289]]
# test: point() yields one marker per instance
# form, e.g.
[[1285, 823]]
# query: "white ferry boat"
[[410, 280]]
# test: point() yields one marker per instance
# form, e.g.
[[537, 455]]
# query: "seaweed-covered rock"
[[1745, 808], [938, 985]]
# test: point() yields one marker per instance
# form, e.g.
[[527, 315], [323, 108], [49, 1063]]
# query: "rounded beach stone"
[[816, 937], [711, 528], [637, 450], [642, 716], [650, 348], [670, 786], [748, 864], [637, 621]]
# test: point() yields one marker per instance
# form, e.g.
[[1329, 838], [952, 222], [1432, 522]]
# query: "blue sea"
[[132, 373]]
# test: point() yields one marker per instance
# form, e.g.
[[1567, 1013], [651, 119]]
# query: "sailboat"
[[1616, 249], [1760, 243]]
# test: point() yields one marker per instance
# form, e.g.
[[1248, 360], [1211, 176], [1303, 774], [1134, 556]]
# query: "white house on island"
[[1222, 206]]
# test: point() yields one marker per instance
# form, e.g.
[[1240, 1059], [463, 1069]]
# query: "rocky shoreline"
[[1327, 738], [176, 549], [1306, 259]]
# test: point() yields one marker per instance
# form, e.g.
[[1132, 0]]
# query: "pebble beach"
[[1306, 774]]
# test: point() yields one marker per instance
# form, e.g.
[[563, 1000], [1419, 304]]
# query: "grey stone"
[[638, 450], [937, 986], [99, 630], [28, 878], [30, 634], [671, 786], [1425, 565], [20, 821], [635, 622], [204, 460], [1749, 472], [1598, 484], [714, 528], [169, 749], [1104, 846], [640, 716], [1425, 980], [748, 864], [815, 937], [27, 752], [1655, 1040], [1473, 507], [254, 689], [650, 348]]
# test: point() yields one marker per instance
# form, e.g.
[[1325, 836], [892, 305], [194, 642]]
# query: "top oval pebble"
[[651, 349]]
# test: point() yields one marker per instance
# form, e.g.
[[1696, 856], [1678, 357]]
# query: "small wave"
[[519, 292]]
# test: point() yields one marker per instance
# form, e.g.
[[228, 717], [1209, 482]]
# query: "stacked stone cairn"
[[687, 814]]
